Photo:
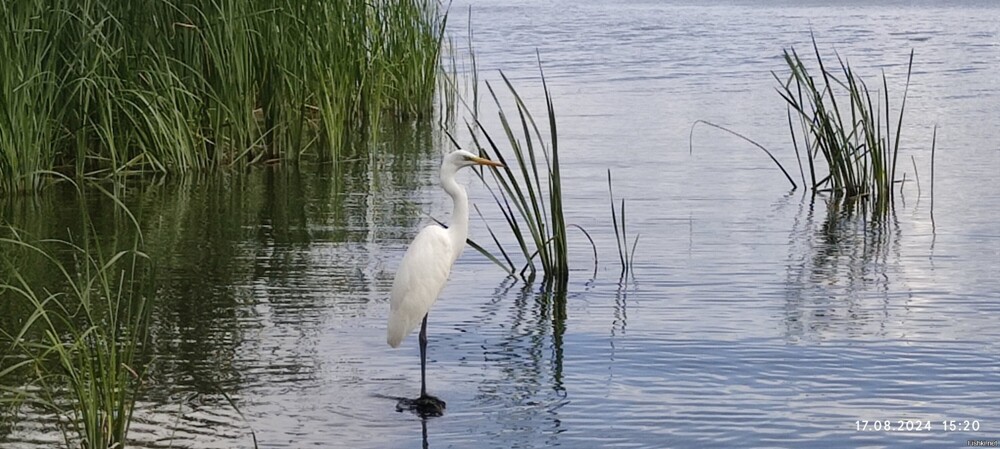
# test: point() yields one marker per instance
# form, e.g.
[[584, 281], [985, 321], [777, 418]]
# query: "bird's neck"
[[459, 227]]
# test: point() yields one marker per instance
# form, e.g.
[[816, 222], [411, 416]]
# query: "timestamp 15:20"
[[916, 425]]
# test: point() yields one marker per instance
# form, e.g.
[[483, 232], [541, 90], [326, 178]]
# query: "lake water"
[[757, 316]]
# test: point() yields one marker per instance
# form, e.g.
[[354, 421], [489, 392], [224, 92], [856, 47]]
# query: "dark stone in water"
[[425, 406]]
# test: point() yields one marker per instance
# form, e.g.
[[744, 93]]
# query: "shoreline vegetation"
[[94, 89]]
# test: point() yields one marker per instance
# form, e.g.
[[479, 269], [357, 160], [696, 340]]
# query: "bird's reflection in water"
[[405, 404], [423, 428]]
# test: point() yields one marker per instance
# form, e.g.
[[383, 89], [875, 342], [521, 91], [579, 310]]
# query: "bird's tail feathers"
[[399, 328]]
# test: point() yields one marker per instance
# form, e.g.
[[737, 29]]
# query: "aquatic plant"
[[625, 254], [101, 88], [742, 137], [85, 341], [28, 100], [532, 208], [847, 136], [841, 130], [78, 348]]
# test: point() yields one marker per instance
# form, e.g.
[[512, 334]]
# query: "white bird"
[[425, 269]]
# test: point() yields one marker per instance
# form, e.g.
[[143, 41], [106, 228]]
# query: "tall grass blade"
[[933, 149], [618, 222], [747, 139], [614, 222]]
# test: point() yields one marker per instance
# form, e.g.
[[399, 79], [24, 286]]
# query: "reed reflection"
[[620, 321], [528, 354], [841, 268], [423, 432]]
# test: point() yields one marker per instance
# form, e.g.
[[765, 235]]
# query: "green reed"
[[458, 93], [82, 343], [625, 254], [843, 128], [28, 89], [94, 88], [531, 203]]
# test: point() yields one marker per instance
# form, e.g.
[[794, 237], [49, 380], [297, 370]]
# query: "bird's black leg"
[[425, 405], [423, 358]]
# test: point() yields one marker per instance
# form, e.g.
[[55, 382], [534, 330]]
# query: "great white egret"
[[424, 271]]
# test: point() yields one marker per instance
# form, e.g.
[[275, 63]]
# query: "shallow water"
[[757, 317]]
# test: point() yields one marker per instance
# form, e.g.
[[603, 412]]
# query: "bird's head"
[[461, 159]]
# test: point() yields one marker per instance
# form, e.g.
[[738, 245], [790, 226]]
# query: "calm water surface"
[[757, 317]]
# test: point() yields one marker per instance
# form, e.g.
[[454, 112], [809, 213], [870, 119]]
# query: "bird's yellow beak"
[[482, 161]]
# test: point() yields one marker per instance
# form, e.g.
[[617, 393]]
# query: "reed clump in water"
[[843, 128], [528, 190], [851, 147], [107, 87]]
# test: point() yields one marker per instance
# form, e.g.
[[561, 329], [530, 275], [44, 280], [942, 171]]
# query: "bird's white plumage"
[[419, 281], [427, 262]]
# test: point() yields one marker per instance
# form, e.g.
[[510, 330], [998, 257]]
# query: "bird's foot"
[[425, 406]]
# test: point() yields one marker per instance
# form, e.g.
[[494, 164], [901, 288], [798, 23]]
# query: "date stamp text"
[[920, 425]]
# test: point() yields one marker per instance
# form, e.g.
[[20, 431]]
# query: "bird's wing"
[[419, 280]]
